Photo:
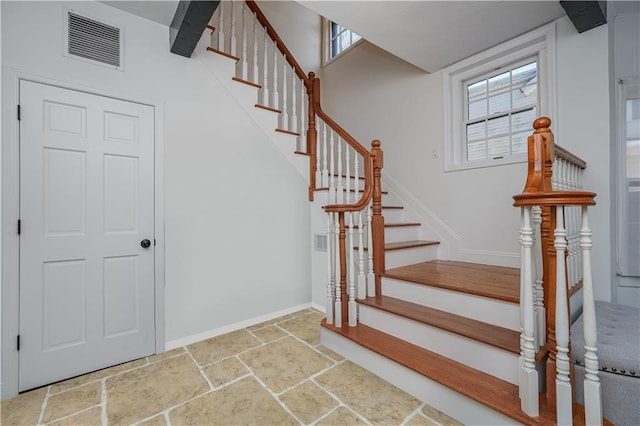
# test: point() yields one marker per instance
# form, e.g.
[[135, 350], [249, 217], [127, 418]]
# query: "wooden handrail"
[[570, 157], [555, 198], [278, 41]]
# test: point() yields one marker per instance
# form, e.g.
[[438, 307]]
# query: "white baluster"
[[563, 384], [353, 309], [220, 29], [255, 75], [592, 393], [284, 117], [332, 178], [245, 56], [338, 270], [233, 41], [541, 316], [555, 172], [371, 277], [325, 170], [339, 186], [528, 372], [294, 94], [274, 88], [362, 279], [303, 124], [330, 267], [265, 69], [347, 160]]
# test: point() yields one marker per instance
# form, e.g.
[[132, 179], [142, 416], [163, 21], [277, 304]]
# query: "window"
[[492, 99], [499, 110], [338, 39]]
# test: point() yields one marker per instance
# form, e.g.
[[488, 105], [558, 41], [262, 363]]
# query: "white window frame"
[[539, 43], [326, 43]]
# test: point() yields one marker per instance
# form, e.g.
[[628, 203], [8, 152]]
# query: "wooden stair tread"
[[393, 207], [247, 82], [494, 282], [268, 108], [481, 387], [288, 132], [499, 337], [302, 153], [401, 224], [220, 52], [406, 244], [324, 188]]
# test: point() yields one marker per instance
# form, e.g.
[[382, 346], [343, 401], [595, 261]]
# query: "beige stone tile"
[[341, 416], [328, 352], [214, 349], [375, 399], [305, 327], [308, 402], [97, 375], [439, 416], [91, 417], [155, 421], [269, 333], [225, 371], [69, 402], [242, 403], [23, 409], [284, 363], [165, 355], [420, 420], [141, 393], [270, 322]]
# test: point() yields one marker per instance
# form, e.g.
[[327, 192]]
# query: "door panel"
[[86, 202]]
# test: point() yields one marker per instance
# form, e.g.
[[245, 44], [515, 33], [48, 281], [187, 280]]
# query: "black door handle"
[[145, 243]]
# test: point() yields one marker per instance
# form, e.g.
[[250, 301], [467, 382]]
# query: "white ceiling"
[[158, 11], [434, 34], [427, 34]]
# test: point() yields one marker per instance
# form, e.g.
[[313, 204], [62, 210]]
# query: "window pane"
[[523, 121], [498, 126], [499, 147], [345, 40], [478, 109], [519, 142], [524, 74], [477, 90], [525, 96], [476, 130], [476, 151], [499, 83], [499, 103]]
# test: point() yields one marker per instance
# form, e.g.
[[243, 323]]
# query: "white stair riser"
[[392, 215], [409, 256], [496, 312], [398, 234], [434, 394], [483, 357]]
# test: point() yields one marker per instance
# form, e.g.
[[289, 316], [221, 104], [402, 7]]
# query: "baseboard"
[[319, 307], [188, 340]]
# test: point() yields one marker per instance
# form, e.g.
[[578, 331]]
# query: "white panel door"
[[86, 204]]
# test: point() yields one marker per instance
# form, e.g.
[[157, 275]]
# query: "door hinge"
[[18, 112], [18, 342], [19, 226]]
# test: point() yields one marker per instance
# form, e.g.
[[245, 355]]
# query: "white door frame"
[[10, 291]]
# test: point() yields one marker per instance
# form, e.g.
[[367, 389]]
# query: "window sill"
[[481, 164]]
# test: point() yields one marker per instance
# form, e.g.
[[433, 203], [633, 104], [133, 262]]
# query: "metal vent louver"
[[93, 40]]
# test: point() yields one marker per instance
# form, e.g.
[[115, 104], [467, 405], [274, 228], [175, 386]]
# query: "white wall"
[[377, 96], [237, 215]]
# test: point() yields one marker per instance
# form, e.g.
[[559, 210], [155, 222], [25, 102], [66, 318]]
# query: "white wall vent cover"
[[320, 242], [93, 41]]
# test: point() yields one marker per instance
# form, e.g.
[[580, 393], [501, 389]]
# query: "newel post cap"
[[541, 124]]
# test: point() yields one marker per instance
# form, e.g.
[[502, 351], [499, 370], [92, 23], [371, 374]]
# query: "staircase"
[[448, 332]]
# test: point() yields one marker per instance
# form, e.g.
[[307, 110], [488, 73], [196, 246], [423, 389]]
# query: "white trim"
[[540, 42], [198, 337], [10, 214], [326, 44]]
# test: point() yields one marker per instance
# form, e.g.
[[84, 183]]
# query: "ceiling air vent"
[[93, 41]]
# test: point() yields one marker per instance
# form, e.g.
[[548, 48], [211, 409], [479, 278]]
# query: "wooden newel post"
[[312, 133], [377, 220]]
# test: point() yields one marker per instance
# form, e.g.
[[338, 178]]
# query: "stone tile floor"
[[274, 373]]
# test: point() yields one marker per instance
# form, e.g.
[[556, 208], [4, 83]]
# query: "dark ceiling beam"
[[585, 15], [189, 21]]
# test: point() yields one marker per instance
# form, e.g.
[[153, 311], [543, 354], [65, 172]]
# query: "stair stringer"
[[441, 397], [223, 70]]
